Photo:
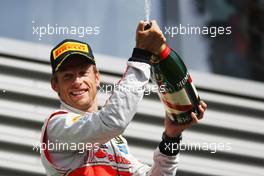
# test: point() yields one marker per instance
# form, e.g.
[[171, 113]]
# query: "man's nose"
[[77, 80]]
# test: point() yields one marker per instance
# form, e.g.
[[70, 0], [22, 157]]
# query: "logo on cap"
[[69, 46]]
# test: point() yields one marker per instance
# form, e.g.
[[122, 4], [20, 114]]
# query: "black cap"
[[69, 47]]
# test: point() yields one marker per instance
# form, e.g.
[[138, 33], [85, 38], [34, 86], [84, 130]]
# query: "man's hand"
[[173, 130], [152, 39]]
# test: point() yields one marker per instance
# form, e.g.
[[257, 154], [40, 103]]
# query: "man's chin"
[[82, 105]]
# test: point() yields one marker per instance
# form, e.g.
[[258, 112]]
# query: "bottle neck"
[[165, 53]]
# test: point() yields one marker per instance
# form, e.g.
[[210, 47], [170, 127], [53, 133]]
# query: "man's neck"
[[92, 108]]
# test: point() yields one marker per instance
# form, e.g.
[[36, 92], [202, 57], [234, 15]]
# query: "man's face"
[[77, 83]]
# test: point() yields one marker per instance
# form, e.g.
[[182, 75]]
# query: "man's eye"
[[85, 73], [67, 76]]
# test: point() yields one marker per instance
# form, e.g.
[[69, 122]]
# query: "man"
[[75, 79]]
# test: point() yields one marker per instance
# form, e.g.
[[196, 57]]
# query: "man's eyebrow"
[[64, 71]]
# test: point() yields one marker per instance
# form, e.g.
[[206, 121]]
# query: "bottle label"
[[182, 83], [168, 87], [176, 102], [182, 118], [180, 102]]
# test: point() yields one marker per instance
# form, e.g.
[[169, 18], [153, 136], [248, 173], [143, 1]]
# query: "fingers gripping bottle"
[[176, 90]]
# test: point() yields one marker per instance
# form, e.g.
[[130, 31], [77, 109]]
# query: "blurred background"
[[113, 24], [228, 70]]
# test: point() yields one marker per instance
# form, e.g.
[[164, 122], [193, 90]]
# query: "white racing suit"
[[106, 152]]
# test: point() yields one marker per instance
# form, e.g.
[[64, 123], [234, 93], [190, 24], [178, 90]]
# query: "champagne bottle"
[[176, 90]]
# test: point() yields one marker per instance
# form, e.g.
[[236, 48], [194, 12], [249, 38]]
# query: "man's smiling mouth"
[[78, 92]]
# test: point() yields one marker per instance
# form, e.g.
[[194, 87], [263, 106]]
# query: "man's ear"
[[97, 78], [54, 83]]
